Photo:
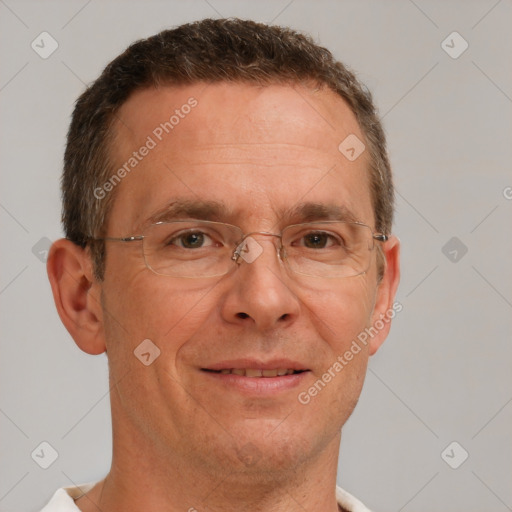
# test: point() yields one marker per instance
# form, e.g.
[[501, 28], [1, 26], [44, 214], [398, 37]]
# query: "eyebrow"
[[216, 211], [311, 212], [181, 208]]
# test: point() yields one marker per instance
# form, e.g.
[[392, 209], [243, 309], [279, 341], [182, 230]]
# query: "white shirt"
[[63, 500]]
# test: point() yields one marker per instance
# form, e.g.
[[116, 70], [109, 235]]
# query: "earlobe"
[[385, 308], [76, 294]]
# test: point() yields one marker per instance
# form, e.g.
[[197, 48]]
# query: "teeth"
[[254, 372]]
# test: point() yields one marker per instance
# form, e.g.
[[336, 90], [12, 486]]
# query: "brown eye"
[[192, 240], [316, 240]]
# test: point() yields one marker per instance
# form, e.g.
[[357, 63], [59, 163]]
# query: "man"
[[227, 205]]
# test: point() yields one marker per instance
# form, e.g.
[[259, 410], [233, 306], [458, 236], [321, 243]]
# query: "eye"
[[191, 240], [318, 240]]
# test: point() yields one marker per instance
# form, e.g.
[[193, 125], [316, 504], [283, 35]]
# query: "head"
[[241, 124]]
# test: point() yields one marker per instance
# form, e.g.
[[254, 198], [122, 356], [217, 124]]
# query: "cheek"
[[169, 314], [166, 311], [334, 391], [340, 315], [341, 312]]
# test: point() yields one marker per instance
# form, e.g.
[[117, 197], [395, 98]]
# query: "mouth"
[[255, 372], [257, 378]]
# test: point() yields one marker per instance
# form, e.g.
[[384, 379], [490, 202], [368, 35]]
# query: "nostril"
[[242, 315]]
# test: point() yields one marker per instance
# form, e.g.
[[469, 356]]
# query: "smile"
[[255, 372]]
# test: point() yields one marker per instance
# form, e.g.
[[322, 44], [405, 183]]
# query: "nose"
[[260, 292]]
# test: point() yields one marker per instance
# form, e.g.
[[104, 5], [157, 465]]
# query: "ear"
[[385, 309], [77, 294]]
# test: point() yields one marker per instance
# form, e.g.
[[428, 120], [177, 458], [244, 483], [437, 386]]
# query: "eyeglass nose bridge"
[[243, 247]]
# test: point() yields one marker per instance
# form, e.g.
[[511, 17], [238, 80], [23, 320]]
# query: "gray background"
[[444, 373]]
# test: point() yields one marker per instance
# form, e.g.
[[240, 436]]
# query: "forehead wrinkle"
[[251, 144], [265, 155]]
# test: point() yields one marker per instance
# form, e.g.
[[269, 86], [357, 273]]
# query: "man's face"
[[258, 153]]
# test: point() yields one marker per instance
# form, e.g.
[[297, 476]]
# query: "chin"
[[268, 452]]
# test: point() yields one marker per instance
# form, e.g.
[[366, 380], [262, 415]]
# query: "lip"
[[257, 386], [256, 363]]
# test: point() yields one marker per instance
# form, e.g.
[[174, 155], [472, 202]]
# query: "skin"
[[181, 438]]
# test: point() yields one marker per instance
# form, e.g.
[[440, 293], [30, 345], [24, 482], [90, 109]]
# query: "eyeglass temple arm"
[[121, 239]]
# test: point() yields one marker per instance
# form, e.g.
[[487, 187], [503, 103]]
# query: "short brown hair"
[[211, 50]]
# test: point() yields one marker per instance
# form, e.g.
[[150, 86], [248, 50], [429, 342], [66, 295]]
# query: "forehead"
[[257, 150]]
